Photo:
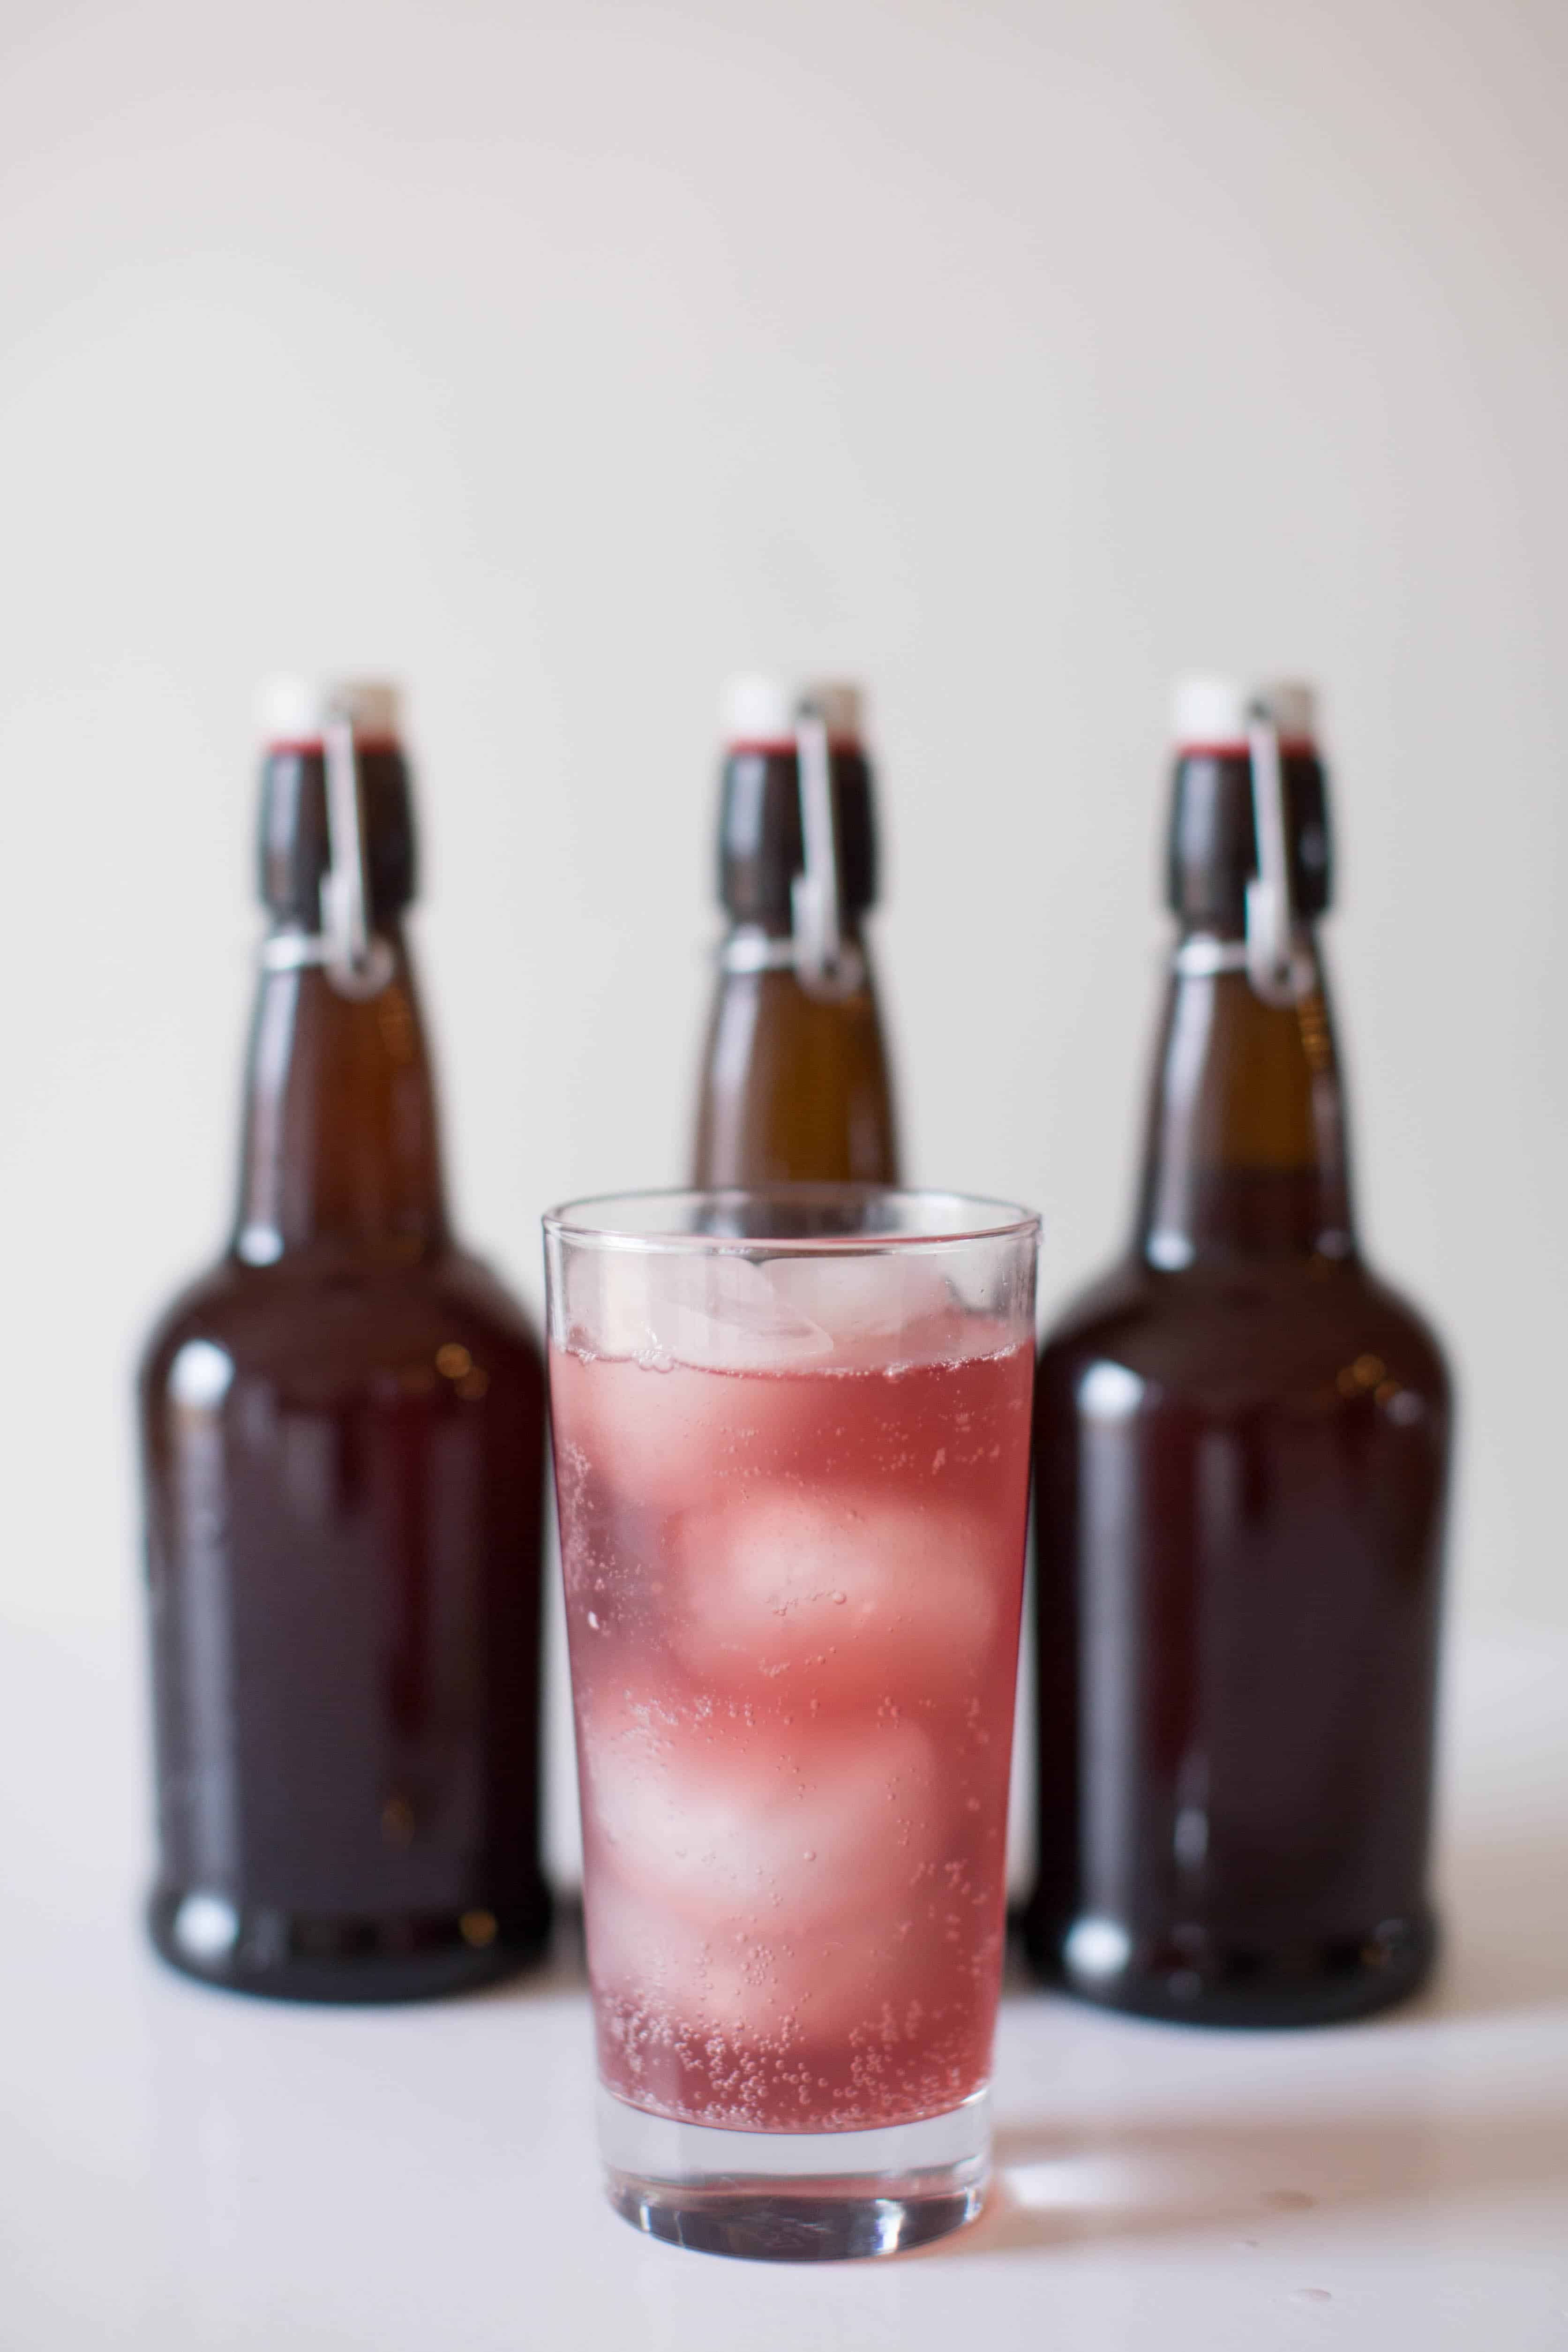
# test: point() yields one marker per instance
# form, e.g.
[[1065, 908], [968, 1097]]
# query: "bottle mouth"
[[1235, 747], [763, 714], [784, 745], [293, 714], [365, 738], [1213, 717]]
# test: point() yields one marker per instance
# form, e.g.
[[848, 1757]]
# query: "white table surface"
[[179, 2168]]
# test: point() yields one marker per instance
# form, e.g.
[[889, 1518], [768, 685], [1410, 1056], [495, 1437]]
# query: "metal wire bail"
[[1276, 967], [816, 895], [357, 964]]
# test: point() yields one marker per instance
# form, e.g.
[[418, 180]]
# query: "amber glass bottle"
[[796, 1085], [342, 1429], [1241, 1440]]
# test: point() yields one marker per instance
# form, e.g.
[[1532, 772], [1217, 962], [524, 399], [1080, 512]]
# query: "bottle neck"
[[340, 1155], [771, 944], [763, 833], [795, 1085], [1247, 1152]]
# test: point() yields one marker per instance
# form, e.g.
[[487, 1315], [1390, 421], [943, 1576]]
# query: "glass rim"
[[958, 1218]]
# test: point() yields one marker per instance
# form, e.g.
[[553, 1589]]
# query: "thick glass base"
[[796, 2197], [1187, 1984], [293, 1956]]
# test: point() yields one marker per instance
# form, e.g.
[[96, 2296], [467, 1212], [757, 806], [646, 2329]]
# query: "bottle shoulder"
[[795, 1084], [470, 1285], [778, 997], [1415, 1328], [334, 1323], [201, 1308], [1247, 1331]]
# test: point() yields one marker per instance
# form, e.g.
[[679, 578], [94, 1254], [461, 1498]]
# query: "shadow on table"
[[1503, 1901], [1065, 2190]]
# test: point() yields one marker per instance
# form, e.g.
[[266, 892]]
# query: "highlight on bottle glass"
[[792, 1450]]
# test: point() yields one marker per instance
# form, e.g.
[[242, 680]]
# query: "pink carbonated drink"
[[792, 1511]]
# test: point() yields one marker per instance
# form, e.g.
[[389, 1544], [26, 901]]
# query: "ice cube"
[[664, 1439], [713, 1310], [724, 1315], [847, 1595], [899, 2005], [757, 1826], [872, 1984], [901, 1979], [888, 1307], [660, 1963]]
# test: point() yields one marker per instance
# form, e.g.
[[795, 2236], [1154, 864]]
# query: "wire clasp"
[[1277, 968], [825, 965]]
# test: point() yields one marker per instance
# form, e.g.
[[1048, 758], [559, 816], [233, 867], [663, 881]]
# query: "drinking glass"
[[792, 1449]]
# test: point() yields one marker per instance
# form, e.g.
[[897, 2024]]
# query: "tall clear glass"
[[792, 1451]]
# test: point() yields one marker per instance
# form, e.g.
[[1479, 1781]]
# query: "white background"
[[561, 359]]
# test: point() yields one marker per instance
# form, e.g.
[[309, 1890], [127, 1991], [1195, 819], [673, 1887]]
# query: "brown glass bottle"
[[342, 1429], [1241, 1442], [796, 1084]]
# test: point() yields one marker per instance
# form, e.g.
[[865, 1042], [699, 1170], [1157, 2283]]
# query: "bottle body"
[[1240, 1494], [1241, 1444], [342, 1429], [344, 1473], [795, 1082]]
